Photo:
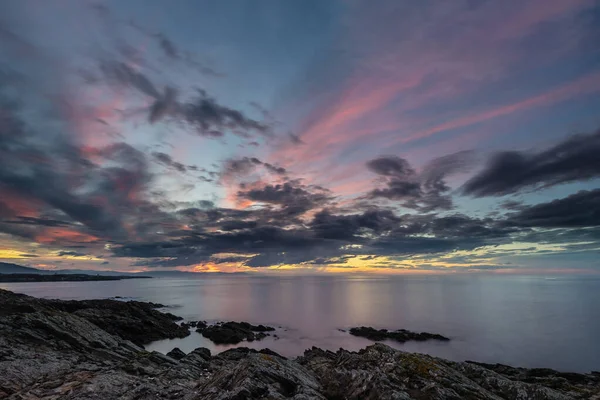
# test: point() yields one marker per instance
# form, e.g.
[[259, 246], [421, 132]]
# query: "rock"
[[197, 324], [380, 372], [51, 352], [202, 352], [259, 376], [401, 335], [234, 332], [132, 320], [176, 354], [272, 353]]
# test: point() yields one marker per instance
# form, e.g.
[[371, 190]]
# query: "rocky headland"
[[52, 349]]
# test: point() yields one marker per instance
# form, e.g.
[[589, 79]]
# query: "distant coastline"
[[64, 277]]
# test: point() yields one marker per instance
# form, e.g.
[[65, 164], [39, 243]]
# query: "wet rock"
[[235, 332], [197, 324], [176, 354], [200, 326], [401, 335]]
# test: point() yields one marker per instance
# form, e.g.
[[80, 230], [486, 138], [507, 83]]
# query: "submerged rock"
[[52, 352], [400, 335]]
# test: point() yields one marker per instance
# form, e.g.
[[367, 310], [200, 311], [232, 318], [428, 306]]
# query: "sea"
[[518, 320]]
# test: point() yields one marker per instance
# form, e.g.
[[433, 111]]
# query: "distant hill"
[[64, 277], [9, 268]]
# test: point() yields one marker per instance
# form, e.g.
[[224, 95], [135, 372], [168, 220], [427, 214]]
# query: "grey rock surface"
[[51, 350]]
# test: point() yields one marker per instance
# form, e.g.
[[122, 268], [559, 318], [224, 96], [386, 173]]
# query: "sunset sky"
[[307, 136]]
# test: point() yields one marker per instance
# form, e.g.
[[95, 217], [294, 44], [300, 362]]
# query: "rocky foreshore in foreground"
[[52, 349]]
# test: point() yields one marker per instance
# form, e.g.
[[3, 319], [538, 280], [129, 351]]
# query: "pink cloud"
[[410, 73]]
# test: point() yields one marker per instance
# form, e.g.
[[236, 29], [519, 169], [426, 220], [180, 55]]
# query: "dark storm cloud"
[[57, 192], [292, 196], [325, 236], [574, 159], [295, 139], [48, 173], [71, 253], [167, 46], [243, 166], [463, 226], [345, 227], [581, 209], [171, 50], [426, 191], [37, 221], [163, 106], [392, 166], [167, 161], [98, 191], [202, 113], [120, 73], [205, 115], [112, 202], [434, 173], [154, 249]]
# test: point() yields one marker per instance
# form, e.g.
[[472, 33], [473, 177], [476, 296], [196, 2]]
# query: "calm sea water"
[[527, 321]]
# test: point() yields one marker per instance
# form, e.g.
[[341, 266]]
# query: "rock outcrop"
[[234, 332], [51, 350], [400, 335], [136, 321]]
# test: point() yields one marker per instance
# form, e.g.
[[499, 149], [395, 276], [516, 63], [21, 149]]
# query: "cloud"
[[167, 46], [70, 253], [293, 197], [574, 159], [578, 210], [24, 220], [425, 191], [207, 116], [119, 73], [202, 113], [240, 167], [345, 227], [167, 161]]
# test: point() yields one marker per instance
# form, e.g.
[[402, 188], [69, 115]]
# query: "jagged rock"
[[235, 332], [202, 352], [259, 376], [136, 321], [400, 335], [51, 352], [380, 372], [176, 354], [133, 320]]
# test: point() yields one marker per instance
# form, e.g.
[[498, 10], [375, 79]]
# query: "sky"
[[301, 137]]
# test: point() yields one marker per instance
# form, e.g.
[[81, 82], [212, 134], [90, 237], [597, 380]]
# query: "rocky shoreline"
[[93, 349]]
